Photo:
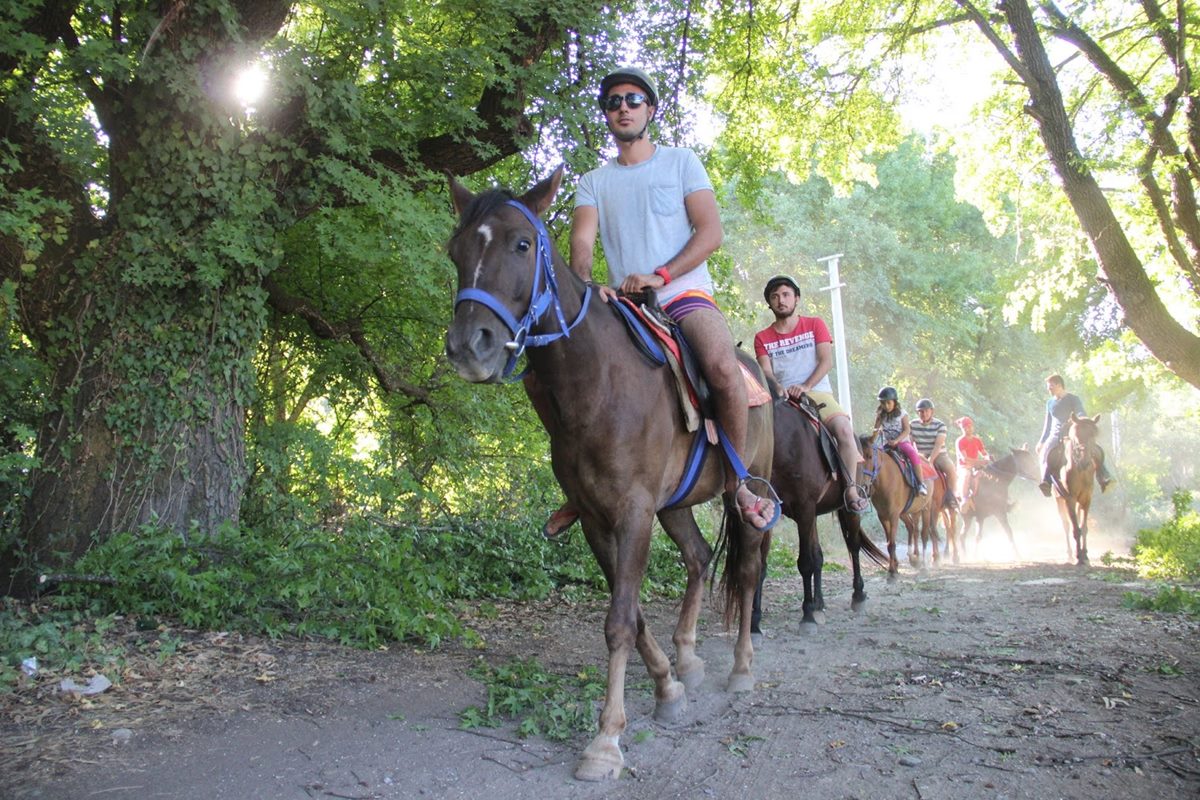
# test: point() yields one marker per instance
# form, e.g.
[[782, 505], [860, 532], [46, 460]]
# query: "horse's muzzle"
[[477, 353]]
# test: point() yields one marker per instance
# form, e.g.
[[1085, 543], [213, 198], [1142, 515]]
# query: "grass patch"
[[550, 706]]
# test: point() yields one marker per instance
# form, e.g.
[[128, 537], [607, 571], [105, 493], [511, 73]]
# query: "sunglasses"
[[613, 101]]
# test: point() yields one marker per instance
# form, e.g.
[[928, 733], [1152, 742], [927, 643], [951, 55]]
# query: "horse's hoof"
[[601, 761], [808, 627], [892, 577], [740, 683], [692, 679], [857, 604], [819, 617], [756, 639], [671, 710]]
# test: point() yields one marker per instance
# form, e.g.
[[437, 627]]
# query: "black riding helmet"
[[628, 75], [888, 393], [777, 281], [924, 403]]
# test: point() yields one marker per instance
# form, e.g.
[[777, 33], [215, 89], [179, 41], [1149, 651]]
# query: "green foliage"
[[63, 640], [1171, 552], [1168, 599], [357, 587], [551, 706], [22, 387]]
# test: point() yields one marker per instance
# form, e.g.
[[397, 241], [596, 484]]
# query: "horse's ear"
[[1096, 419], [459, 195], [1074, 417], [538, 198]]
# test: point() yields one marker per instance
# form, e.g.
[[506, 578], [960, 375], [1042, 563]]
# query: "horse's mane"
[[480, 207]]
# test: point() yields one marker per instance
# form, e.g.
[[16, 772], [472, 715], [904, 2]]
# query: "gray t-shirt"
[[643, 221]]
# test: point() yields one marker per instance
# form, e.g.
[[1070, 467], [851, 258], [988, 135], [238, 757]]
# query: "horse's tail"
[[729, 604], [856, 539]]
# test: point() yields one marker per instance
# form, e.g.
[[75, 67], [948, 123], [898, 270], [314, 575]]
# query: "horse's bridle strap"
[[542, 297]]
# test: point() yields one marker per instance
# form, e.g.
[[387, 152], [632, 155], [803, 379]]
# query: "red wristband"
[[662, 273]]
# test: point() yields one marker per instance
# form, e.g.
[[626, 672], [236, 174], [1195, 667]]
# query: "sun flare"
[[250, 85]]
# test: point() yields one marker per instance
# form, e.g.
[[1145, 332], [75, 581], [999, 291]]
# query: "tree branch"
[[985, 27], [1157, 129], [348, 330], [1169, 341]]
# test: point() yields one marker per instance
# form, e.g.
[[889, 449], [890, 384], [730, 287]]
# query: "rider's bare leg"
[[709, 337], [843, 431]]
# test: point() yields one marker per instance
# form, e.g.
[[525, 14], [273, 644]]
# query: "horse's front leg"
[[1009, 531], [622, 550], [1068, 527], [810, 562], [1081, 538], [889, 530], [681, 526]]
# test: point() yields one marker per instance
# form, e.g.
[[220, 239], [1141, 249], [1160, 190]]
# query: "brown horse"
[[1073, 482], [938, 512], [808, 489], [619, 446], [893, 498], [990, 497]]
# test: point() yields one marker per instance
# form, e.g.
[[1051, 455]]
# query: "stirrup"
[[860, 506], [757, 506]]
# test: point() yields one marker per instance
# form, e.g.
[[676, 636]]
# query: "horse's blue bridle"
[[543, 296]]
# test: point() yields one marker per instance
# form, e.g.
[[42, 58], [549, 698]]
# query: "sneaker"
[[1105, 483]]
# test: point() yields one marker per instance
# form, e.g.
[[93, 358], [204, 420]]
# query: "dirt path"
[[1026, 681]]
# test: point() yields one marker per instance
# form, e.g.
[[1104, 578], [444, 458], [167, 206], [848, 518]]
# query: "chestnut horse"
[[893, 498], [1073, 482], [619, 446], [808, 489], [990, 498]]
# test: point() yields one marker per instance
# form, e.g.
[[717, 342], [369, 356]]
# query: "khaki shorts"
[[828, 405]]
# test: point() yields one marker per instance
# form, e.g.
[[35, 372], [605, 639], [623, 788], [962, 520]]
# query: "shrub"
[[1171, 552]]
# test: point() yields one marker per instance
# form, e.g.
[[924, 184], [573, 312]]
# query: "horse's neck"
[[575, 364], [1079, 453]]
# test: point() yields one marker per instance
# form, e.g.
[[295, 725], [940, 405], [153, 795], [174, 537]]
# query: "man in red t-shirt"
[[797, 353]]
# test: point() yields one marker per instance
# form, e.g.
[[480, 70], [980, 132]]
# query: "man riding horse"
[[1059, 408], [796, 352], [656, 215], [929, 437]]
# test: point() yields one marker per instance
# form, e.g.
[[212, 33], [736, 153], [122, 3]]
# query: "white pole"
[[839, 333]]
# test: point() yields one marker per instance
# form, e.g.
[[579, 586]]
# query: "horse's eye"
[[524, 245]]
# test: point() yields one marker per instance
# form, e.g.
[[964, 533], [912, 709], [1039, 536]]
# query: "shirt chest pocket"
[[665, 200]]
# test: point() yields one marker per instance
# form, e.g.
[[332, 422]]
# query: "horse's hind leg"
[[1008, 530], [681, 526], [851, 532]]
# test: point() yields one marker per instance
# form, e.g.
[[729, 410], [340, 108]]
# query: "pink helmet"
[[964, 422]]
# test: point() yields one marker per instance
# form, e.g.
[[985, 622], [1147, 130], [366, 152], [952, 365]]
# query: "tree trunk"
[[149, 429]]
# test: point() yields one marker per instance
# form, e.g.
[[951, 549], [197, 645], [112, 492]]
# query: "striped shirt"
[[924, 435]]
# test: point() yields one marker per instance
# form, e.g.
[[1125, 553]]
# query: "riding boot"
[[1103, 476], [1045, 484]]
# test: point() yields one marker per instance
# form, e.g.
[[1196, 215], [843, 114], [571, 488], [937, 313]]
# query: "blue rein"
[[542, 298]]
